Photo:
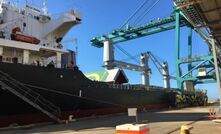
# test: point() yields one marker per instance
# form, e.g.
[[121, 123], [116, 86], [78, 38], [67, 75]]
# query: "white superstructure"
[[29, 35]]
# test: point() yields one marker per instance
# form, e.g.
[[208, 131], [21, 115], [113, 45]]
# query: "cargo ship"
[[39, 79]]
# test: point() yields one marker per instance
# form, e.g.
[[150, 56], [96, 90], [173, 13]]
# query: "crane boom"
[[162, 69], [155, 62], [153, 27]]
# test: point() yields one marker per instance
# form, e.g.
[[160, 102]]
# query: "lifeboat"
[[24, 38]]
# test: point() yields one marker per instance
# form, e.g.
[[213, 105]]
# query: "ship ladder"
[[31, 97]]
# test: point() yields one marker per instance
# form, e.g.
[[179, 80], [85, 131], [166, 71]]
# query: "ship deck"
[[160, 122]]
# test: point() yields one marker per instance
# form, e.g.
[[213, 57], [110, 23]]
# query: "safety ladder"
[[31, 97]]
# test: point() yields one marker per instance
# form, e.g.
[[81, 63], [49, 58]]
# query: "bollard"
[[185, 129], [212, 114]]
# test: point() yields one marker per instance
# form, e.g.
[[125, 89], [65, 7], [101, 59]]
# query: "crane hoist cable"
[[155, 62], [161, 60], [133, 57], [137, 19], [136, 11], [126, 53], [140, 18], [158, 64]]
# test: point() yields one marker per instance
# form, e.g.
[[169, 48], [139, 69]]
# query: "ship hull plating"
[[73, 93]]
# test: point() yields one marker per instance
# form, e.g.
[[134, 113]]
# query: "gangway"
[[31, 97]]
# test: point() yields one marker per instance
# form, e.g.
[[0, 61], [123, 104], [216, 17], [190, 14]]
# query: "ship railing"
[[134, 87], [74, 12], [29, 95], [119, 86], [126, 86]]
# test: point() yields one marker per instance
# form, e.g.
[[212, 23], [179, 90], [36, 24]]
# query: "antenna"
[[26, 2], [45, 8], [16, 3], [76, 54], [3, 1]]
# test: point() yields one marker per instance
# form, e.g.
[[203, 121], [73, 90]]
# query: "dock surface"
[[160, 122]]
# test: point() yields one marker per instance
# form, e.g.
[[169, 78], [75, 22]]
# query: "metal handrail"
[[29, 94]]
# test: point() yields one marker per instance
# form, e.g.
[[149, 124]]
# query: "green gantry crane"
[[204, 65]]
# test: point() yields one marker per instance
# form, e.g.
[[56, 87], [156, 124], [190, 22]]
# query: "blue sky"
[[102, 16]]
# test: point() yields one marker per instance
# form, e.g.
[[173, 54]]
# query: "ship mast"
[[45, 8], [1, 2], [26, 2], [16, 3]]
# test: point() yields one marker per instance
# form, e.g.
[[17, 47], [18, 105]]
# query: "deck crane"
[[111, 63], [162, 68]]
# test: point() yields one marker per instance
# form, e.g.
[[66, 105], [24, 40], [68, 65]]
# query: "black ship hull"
[[73, 93]]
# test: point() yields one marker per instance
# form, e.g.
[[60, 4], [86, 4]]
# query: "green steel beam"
[[153, 27], [177, 49], [205, 66], [197, 80], [189, 79], [190, 71], [208, 77], [205, 81], [195, 59]]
